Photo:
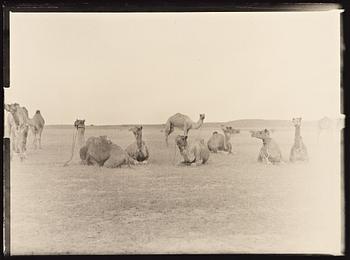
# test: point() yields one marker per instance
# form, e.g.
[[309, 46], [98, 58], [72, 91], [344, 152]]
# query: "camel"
[[78, 139], [138, 150], [36, 125], [195, 154], [219, 142], [329, 124], [183, 122], [325, 125], [17, 128], [10, 129], [269, 152], [103, 152], [298, 151]]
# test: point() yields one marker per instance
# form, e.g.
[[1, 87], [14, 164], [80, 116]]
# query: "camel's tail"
[[73, 146]]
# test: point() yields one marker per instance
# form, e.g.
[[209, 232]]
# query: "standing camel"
[[138, 150], [298, 151], [10, 131], [182, 122], [17, 128], [36, 125]]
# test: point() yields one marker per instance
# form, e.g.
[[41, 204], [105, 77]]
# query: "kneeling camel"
[[219, 142], [194, 154], [269, 152], [103, 152], [138, 150]]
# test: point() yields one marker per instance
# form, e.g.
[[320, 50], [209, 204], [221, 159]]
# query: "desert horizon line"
[[156, 124]]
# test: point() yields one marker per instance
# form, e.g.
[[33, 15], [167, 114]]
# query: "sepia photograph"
[[175, 133]]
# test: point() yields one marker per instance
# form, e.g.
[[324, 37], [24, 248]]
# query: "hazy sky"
[[119, 68]]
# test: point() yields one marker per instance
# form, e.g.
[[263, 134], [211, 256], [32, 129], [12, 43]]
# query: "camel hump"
[[37, 112], [178, 114], [215, 132]]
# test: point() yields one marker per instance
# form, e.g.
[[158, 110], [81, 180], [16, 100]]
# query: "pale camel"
[[219, 142], [298, 151], [269, 152], [138, 150], [182, 122], [10, 132], [78, 140], [194, 154], [330, 124], [36, 125], [17, 128], [324, 124], [103, 152]]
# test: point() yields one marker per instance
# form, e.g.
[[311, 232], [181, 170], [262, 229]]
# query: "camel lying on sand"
[[298, 151], [219, 142], [182, 122], [17, 128], [138, 150], [194, 154], [269, 152], [101, 151], [36, 125]]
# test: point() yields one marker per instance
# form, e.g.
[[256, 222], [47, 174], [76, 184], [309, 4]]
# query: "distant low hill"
[[262, 123]]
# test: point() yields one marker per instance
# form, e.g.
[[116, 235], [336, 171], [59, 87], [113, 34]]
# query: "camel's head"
[[296, 121], [19, 115], [325, 123], [12, 108], [137, 130], [228, 130], [201, 116], [260, 134], [79, 123], [181, 141], [37, 112]]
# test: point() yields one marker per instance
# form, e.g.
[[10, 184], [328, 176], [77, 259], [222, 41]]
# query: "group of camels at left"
[[18, 125], [103, 152]]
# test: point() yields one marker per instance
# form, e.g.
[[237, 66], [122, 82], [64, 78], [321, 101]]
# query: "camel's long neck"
[[297, 133], [266, 140], [226, 140], [198, 124], [15, 118], [80, 136], [139, 140]]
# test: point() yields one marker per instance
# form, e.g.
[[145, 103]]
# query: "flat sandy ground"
[[231, 205]]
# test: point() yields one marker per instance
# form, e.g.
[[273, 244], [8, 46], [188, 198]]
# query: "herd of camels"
[[103, 152]]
